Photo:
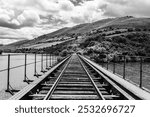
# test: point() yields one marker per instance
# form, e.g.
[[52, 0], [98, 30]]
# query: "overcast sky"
[[26, 19]]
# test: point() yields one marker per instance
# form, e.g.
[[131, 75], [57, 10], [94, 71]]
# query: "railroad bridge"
[[78, 78]]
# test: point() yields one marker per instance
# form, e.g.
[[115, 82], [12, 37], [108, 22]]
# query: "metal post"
[[25, 68], [26, 79], [35, 70], [114, 65], [8, 79], [46, 62], [51, 60], [41, 62], [107, 61], [35, 73], [8, 74], [141, 70], [124, 68], [54, 59]]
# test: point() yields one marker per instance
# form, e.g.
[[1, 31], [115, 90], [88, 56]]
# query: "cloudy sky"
[[27, 19]]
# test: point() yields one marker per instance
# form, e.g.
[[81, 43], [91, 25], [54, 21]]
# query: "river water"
[[17, 74], [132, 72]]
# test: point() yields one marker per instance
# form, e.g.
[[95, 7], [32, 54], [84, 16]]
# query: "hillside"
[[101, 26], [14, 45], [121, 22], [129, 23]]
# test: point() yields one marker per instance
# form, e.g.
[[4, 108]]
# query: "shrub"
[[103, 34], [117, 32], [119, 39], [130, 30], [137, 29], [64, 53], [60, 58]]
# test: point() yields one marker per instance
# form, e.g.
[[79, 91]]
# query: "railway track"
[[73, 79]]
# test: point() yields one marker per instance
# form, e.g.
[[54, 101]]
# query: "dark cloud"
[[76, 2], [15, 26], [9, 25], [121, 2]]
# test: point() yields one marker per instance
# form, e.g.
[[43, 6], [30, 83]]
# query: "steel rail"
[[92, 81], [49, 94], [115, 85]]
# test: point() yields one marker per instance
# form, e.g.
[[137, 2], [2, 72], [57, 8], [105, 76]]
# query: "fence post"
[[51, 60], [114, 65], [26, 79], [35, 72], [54, 59], [107, 61], [8, 74], [41, 62], [141, 70], [25, 68], [35, 65], [57, 59], [124, 67], [46, 61], [11, 91]]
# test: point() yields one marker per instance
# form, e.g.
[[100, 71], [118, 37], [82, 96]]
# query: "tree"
[[130, 29], [64, 53]]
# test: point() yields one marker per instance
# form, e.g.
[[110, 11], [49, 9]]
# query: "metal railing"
[[46, 62], [133, 68]]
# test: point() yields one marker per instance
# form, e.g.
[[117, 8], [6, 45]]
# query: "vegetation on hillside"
[[100, 47]]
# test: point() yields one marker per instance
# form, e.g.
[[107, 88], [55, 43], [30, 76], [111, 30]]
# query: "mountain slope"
[[129, 23], [120, 22]]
